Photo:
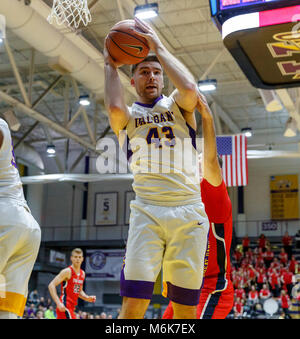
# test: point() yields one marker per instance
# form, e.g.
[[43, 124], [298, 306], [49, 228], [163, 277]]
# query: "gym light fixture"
[[247, 131], [290, 128], [84, 100], [51, 150], [270, 100], [146, 11], [207, 85]]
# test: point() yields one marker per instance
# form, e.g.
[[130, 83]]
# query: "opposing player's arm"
[[114, 95], [211, 168], [64, 275], [186, 93], [89, 298]]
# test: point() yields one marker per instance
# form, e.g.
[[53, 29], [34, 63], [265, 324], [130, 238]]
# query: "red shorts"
[[68, 314], [215, 305]]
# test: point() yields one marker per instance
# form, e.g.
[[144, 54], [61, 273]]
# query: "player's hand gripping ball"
[[124, 45]]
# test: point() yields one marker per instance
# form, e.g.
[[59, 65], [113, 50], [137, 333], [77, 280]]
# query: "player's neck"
[[76, 268], [148, 101]]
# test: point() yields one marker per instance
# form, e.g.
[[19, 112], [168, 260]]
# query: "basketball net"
[[70, 12]]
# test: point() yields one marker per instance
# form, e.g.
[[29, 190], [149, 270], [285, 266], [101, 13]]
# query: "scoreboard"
[[263, 36], [221, 10]]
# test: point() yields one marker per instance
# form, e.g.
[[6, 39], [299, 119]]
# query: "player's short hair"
[[149, 57], [77, 251]]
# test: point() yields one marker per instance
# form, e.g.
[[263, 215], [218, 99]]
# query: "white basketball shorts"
[[173, 238], [20, 238]]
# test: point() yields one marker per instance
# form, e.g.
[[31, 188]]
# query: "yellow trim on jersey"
[[13, 302]]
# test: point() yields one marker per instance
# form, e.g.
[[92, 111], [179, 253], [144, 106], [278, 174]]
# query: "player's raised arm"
[[65, 274], [114, 94], [179, 75], [211, 168]]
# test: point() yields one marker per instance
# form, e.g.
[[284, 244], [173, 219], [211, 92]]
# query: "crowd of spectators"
[[258, 274], [39, 308]]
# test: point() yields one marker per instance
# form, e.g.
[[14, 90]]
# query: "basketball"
[[124, 45]]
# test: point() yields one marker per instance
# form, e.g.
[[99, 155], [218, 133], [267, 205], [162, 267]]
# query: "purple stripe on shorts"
[[183, 296], [135, 288]]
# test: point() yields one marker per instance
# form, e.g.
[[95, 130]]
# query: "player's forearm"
[[209, 137], [83, 296], [178, 74], [52, 290], [114, 94]]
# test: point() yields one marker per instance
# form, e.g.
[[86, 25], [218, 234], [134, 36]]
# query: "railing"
[[253, 228], [271, 228]]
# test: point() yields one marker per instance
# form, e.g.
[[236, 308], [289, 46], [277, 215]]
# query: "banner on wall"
[[269, 226], [104, 264], [58, 258], [106, 209], [284, 197]]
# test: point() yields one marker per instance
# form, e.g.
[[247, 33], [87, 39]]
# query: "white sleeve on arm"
[[6, 143]]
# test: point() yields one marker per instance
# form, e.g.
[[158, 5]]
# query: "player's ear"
[[132, 83]]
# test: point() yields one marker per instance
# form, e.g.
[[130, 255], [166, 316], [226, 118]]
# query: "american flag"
[[233, 151]]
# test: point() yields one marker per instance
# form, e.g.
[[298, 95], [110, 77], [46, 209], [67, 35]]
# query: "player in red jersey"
[[71, 280], [217, 293]]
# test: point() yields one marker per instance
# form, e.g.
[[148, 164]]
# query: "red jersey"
[[217, 287], [71, 288], [219, 211]]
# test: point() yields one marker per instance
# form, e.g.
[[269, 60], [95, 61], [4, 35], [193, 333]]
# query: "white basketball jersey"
[[10, 182], [164, 158]]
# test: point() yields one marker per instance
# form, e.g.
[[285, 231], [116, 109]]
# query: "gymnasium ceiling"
[[186, 29]]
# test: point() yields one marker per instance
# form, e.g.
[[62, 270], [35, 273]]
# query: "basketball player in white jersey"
[[168, 225], [20, 234]]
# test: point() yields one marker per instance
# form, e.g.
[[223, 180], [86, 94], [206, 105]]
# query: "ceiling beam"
[[289, 105], [41, 118]]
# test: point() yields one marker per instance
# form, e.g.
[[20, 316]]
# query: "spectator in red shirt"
[[283, 257], [264, 293], [274, 283], [262, 241], [293, 265], [261, 279], [251, 275], [238, 307], [240, 293], [245, 244], [268, 257], [237, 255], [285, 303], [253, 297], [287, 242], [287, 281]]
